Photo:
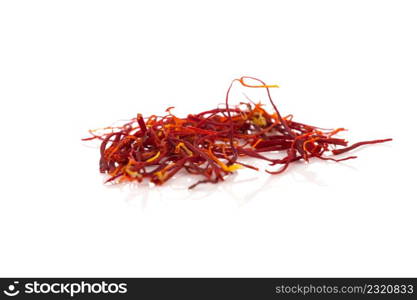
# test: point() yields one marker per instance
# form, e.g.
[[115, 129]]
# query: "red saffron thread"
[[209, 144]]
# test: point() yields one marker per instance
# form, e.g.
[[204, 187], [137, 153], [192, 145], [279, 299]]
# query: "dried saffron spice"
[[212, 143]]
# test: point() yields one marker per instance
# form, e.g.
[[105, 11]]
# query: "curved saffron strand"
[[231, 134], [356, 145], [289, 159]]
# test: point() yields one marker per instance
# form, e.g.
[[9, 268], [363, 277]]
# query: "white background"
[[69, 66]]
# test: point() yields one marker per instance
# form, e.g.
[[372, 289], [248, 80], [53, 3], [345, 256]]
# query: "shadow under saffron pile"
[[210, 144]]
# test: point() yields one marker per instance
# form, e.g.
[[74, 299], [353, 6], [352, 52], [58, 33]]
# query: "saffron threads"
[[212, 143]]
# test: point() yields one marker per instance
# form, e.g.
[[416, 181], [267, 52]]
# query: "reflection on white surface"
[[242, 187]]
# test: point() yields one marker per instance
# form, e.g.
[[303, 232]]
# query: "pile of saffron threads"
[[211, 144]]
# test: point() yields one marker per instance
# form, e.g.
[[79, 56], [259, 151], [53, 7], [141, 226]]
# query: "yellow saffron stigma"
[[226, 168], [258, 86], [231, 168], [133, 173], [160, 175], [154, 157], [259, 119]]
